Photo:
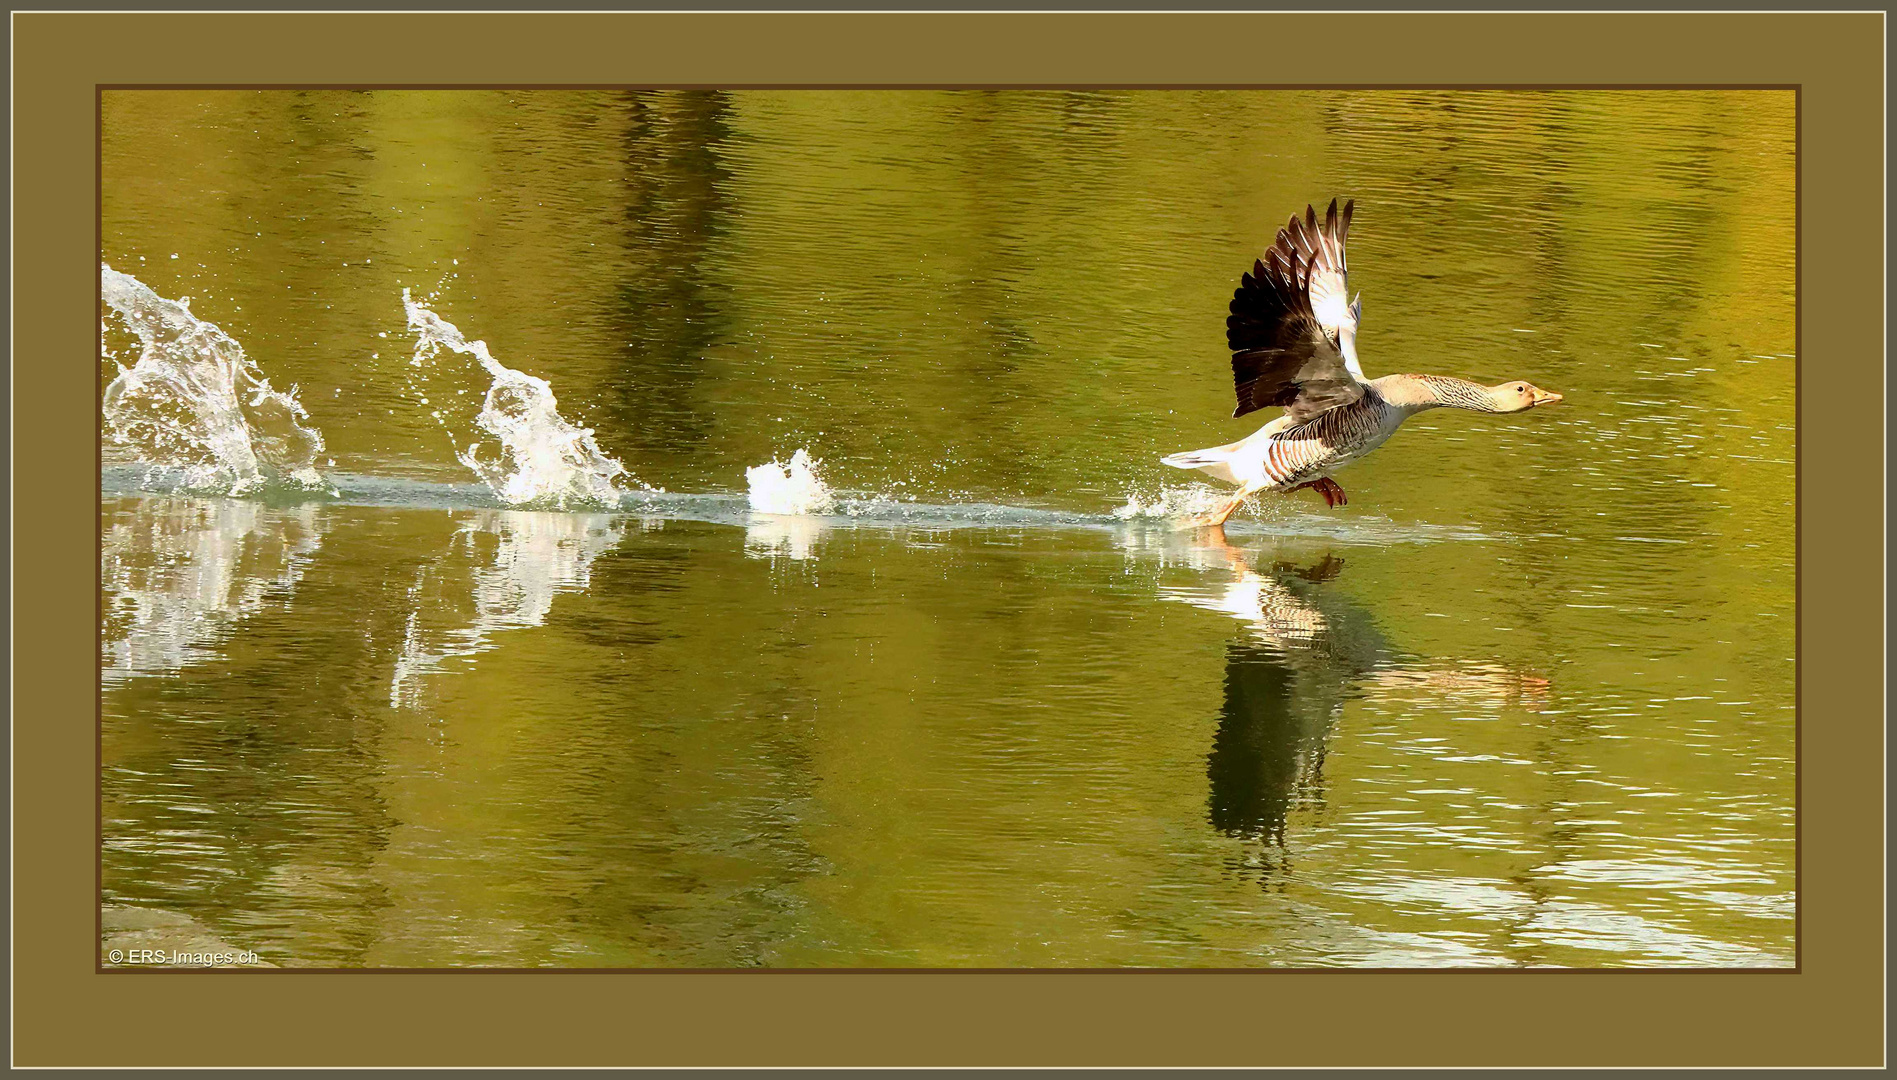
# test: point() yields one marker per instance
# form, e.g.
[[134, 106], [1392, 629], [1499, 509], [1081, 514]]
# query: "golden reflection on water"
[[1528, 700]]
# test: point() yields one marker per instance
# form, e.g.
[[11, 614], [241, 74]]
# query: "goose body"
[[1293, 341]]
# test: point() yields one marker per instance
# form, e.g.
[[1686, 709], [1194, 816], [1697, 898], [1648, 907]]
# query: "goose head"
[[1511, 397]]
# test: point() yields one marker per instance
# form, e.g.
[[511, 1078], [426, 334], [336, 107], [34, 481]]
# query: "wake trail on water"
[[202, 418], [847, 510], [193, 402], [542, 460]]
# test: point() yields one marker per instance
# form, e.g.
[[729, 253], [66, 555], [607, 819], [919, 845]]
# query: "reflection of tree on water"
[[1309, 650], [670, 303]]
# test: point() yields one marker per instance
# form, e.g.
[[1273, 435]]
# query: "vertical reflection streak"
[[179, 574], [536, 555]]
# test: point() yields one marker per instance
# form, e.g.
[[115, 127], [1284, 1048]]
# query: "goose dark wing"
[[1292, 330]]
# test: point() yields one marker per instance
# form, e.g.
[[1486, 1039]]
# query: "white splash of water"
[[194, 401], [536, 557], [178, 574], [791, 487], [542, 460], [1178, 501]]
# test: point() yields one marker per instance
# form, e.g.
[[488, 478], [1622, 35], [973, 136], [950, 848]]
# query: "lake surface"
[[1527, 700]]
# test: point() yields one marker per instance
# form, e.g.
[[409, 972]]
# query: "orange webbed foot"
[[1325, 486], [1217, 518]]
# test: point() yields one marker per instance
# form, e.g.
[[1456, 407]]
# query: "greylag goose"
[[1293, 336]]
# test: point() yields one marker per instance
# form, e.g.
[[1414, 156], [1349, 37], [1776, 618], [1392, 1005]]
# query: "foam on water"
[[541, 459], [1176, 502], [194, 402], [792, 487]]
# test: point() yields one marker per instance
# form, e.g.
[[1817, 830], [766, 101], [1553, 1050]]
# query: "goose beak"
[[1546, 397]]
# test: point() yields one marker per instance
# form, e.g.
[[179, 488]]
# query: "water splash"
[[462, 599], [792, 487], [193, 401], [542, 460], [1175, 502]]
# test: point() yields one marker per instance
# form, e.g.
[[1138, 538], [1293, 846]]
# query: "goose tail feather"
[[1215, 462]]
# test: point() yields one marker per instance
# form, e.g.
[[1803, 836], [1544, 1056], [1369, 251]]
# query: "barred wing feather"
[[1292, 330]]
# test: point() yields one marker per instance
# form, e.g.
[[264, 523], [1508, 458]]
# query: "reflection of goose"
[[1277, 614], [1481, 685], [1308, 651], [1293, 333], [1283, 688], [1270, 743]]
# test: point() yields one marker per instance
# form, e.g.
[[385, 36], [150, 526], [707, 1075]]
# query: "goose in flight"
[[1293, 335]]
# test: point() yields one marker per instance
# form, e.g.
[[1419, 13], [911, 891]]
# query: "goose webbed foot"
[[1204, 521], [1207, 525], [1216, 519], [1333, 495]]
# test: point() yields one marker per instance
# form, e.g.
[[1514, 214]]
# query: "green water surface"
[[1527, 700]]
